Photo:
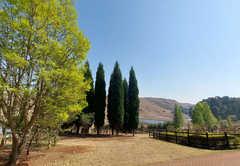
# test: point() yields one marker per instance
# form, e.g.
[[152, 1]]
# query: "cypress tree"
[[90, 94], [109, 106], [90, 98], [117, 98], [126, 104], [100, 98], [133, 101]]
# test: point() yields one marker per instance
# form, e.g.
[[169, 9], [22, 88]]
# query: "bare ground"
[[108, 150]]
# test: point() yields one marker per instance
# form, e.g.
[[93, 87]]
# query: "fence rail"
[[206, 141]]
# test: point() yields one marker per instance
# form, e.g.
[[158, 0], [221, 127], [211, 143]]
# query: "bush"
[[236, 142], [198, 129]]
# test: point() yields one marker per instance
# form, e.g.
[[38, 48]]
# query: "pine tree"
[[117, 98], [109, 106], [100, 98], [126, 105], [178, 119], [133, 101]]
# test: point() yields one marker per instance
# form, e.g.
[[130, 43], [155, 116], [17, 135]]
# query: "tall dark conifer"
[[126, 104], [90, 98], [90, 94], [133, 101], [117, 98], [100, 98], [109, 106]]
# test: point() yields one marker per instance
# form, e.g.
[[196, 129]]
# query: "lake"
[[150, 121]]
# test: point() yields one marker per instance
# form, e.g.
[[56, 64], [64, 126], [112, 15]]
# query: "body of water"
[[150, 121]]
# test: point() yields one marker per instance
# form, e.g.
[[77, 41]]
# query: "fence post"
[[166, 136], [176, 136], [188, 138], [208, 143], [227, 140], [149, 132]]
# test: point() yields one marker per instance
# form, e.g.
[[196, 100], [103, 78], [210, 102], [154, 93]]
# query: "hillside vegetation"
[[224, 106], [160, 108]]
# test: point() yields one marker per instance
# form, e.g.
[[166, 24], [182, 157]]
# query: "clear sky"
[[183, 50]]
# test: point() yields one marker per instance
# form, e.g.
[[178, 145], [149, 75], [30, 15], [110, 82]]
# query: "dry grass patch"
[[117, 151], [111, 150]]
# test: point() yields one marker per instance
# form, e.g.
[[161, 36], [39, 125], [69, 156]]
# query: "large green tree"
[[41, 50], [126, 105], [133, 101], [100, 98], [109, 105], [203, 116], [197, 117], [208, 117], [178, 119], [117, 96]]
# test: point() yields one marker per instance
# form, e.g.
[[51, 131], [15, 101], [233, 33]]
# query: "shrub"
[[236, 142], [197, 128]]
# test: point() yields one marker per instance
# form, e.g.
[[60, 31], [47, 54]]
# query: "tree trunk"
[[31, 141], [117, 130], [112, 130], [133, 132], [3, 138], [98, 130], [126, 132], [78, 127], [16, 150]]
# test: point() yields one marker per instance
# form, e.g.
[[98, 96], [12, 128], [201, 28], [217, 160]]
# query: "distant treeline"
[[223, 106]]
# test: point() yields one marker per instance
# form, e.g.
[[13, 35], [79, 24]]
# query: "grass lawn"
[[117, 151]]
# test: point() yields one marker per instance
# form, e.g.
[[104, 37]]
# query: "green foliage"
[[236, 142], [203, 116], [190, 111], [185, 110], [100, 97], [224, 106], [208, 117], [223, 124], [197, 117], [90, 93], [142, 126], [198, 129], [42, 77], [126, 105], [178, 119], [163, 125], [117, 96], [229, 122], [109, 106], [133, 100], [85, 119], [233, 118]]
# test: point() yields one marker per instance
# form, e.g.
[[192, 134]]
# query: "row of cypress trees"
[[123, 100]]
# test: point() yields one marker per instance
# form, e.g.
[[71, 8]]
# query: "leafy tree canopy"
[[42, 50]]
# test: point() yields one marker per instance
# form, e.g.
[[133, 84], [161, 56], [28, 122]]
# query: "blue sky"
[[183, 50]]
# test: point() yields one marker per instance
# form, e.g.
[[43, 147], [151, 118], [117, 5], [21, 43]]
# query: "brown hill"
[[159, 108]]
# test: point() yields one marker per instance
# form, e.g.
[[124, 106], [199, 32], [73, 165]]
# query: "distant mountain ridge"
[[159, 108]]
